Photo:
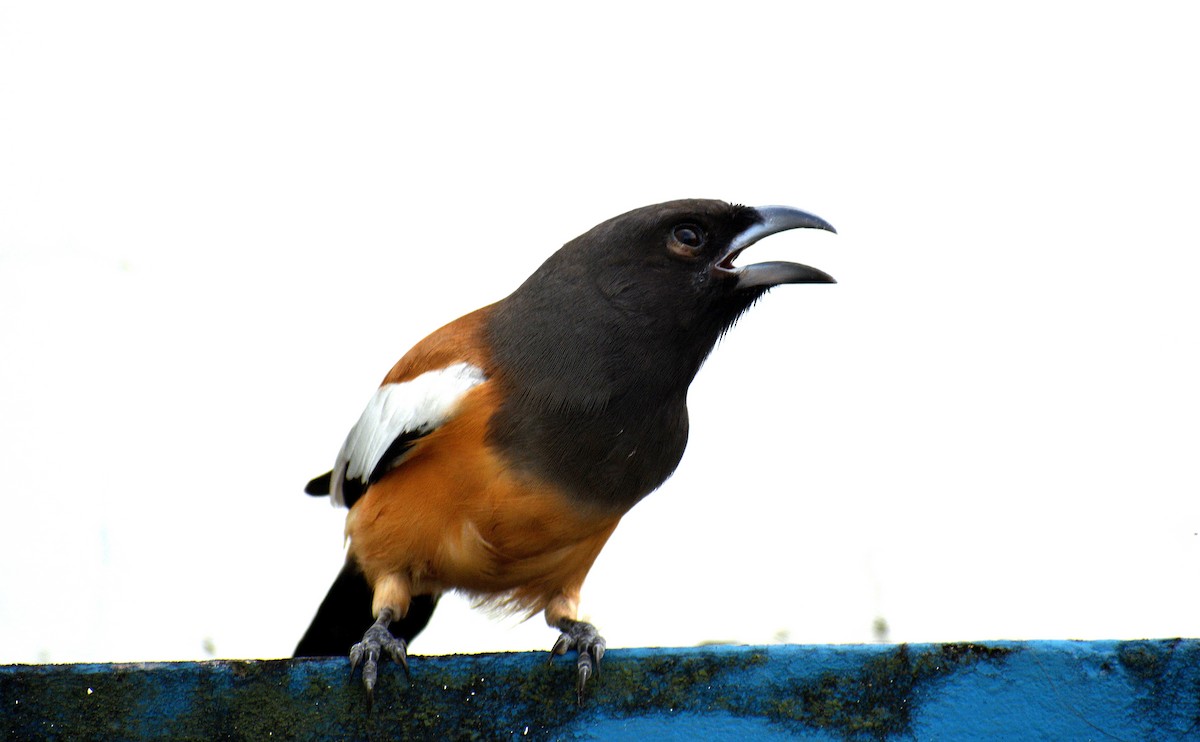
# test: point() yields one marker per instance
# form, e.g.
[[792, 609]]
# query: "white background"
[[221, 223]]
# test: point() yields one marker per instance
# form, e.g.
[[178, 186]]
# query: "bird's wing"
[[397, 415]]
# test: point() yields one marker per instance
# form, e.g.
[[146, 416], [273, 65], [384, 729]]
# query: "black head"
[[681, 254], [650, 290]]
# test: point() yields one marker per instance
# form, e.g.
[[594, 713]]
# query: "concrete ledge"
[[997, 690]]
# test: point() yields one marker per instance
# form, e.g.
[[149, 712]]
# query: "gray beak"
[[772, 219]]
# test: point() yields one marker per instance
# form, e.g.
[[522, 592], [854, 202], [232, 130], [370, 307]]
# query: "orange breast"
[[454, 515]]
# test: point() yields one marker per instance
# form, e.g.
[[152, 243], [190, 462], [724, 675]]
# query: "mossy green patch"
[[876, 700], [1161, 669], [46, 705], [537, 698], [1145, 661]]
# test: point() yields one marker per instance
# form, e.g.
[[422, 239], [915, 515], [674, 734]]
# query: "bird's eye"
[[687, 240], [689, 235]]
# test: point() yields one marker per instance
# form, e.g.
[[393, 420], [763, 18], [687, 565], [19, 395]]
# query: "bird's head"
[[701, 239], [679, 259], [646, 294]]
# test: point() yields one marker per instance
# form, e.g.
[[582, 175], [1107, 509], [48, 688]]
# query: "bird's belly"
[[457, 517], [532, 540]]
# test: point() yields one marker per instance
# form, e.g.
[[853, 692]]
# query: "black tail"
[[345, 615]]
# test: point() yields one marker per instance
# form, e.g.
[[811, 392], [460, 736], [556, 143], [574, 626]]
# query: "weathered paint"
[[996, 690]]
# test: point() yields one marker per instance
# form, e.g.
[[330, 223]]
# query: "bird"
[[499, 454]]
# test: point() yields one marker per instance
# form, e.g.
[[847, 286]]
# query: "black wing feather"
[[354, 488]]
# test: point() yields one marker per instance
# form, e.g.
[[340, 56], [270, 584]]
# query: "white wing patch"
[[415, 406]]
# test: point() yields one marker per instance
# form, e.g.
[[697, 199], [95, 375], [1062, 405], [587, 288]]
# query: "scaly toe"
[[367, 651], [590, 646]]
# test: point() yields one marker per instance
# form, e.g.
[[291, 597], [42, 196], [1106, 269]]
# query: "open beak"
[[772, 219]]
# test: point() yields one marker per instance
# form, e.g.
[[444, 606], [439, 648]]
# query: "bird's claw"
[[590, 646], [367, 651]]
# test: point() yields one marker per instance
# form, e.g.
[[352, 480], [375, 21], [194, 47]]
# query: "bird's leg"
[[378, 638], [584, 639]]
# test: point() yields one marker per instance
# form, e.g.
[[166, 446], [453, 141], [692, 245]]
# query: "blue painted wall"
[[1002, 690]]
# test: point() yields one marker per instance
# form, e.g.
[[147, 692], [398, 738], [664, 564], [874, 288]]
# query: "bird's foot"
[[377, 639], [581, 637]]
